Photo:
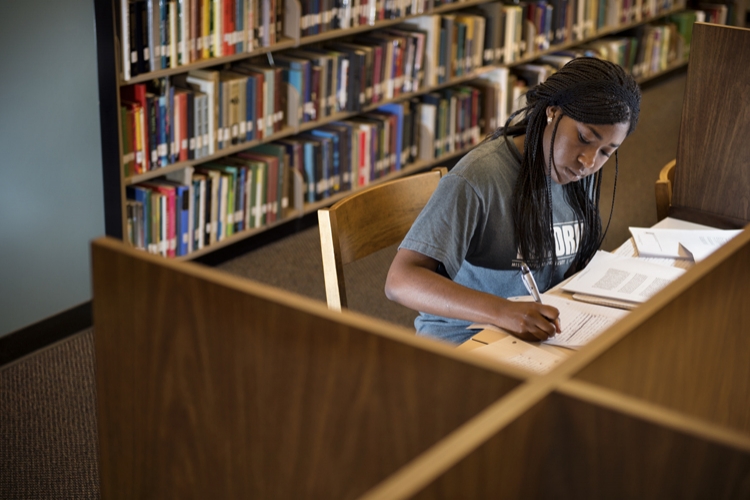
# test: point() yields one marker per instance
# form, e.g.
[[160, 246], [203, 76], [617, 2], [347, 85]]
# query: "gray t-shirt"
[[468, 227]]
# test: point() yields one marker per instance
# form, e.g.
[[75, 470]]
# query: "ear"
[[552, 112]]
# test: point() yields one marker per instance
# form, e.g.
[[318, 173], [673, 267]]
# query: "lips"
[[572, 175]]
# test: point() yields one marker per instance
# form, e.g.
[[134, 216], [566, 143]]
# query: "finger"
[[544, 329], [552, 314]]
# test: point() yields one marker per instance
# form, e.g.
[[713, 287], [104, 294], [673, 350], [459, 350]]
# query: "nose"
[[586, 161]]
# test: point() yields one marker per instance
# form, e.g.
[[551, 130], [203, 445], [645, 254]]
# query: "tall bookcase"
[[111, 80]]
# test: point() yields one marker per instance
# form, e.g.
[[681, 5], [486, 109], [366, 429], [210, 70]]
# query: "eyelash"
[[584, 141]]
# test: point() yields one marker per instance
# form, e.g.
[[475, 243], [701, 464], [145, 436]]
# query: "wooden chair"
[[663, 190], [368, 221]]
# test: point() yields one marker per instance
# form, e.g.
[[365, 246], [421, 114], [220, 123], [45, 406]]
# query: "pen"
[[530, 283]]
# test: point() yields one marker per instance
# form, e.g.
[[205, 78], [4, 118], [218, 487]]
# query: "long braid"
[[588, 90]]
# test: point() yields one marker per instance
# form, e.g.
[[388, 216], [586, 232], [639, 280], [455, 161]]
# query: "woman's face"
[[580, 149]]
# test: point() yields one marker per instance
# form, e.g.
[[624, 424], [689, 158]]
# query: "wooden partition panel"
[[712, 180], [210, 386], [689, 348], [571, 447]]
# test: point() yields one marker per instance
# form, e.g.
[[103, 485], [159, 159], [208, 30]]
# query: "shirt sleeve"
[[445, 228]]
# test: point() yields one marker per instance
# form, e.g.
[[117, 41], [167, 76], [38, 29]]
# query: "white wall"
[[51, 201]]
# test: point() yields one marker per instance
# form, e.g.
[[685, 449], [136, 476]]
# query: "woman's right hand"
[[413, 282], [529, 320]]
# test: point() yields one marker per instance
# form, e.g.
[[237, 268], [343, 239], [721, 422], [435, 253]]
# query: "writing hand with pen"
[[534, 321]]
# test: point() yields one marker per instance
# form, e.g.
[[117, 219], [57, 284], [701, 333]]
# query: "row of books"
[[199, 206], [196, 114], [649, 49], [193, 115], [157, 34], [644, 51]]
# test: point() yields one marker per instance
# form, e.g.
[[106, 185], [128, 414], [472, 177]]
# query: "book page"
[[518, 353], [622, 278]]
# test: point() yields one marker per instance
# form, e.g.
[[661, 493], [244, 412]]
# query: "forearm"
[[414, 282], [425, 290]]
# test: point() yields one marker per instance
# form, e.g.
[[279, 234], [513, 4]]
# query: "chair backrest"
[[663, 190], [368, 221]]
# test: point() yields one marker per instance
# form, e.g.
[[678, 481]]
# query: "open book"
[[632, 280]]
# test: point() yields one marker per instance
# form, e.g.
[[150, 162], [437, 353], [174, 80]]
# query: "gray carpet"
[[302, 272], [48, 440]]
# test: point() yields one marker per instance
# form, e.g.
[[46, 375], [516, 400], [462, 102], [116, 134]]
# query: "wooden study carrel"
[[212, 386]]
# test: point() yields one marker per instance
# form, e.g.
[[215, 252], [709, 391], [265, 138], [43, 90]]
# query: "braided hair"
[[588, 90]]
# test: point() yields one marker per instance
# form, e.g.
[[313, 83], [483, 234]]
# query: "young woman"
[[498, 208]]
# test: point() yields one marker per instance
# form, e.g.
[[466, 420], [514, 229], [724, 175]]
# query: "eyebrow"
[[598, 136]]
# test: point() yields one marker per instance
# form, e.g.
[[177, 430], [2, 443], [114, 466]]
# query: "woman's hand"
[[529, 320], [413, 282]]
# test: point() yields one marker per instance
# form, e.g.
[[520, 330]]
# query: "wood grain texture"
[[691, 355], [564, 447], [210, 386], [368, 221], [376, 218], [713, 148]]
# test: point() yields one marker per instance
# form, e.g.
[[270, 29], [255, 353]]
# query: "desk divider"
[[565, 447], [712, 178], [656, 407], [212, 386], [691, 352]]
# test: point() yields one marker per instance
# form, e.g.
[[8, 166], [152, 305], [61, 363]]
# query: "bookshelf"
[[111, 82]]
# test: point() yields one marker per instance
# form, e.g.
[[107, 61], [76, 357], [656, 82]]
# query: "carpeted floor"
[[48, 439]]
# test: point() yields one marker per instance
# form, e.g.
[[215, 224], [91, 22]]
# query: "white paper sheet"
[[677, 243], [628, 249], [701, 245], [622, 278], [518, 353], [579, 322]]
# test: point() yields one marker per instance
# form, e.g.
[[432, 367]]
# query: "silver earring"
[[549, 120]]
